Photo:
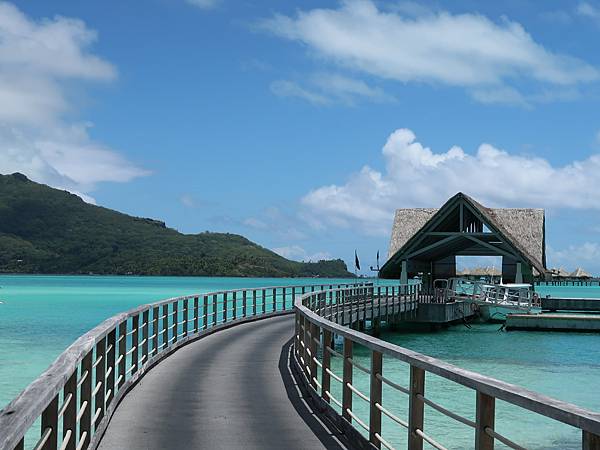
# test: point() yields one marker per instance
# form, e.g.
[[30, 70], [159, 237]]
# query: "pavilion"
[[426, 241]]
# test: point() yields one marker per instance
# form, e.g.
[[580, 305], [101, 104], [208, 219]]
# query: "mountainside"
[[46, 230]]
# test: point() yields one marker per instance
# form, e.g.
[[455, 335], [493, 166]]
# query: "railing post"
[[244, 304], [175, 320], [264, 301], [375, 397], [325, 377], [165, 330], [224, 307], [590, 441], [215, 310], [234, 305], [416, 407], [85, 423], [293, 296], [274, 299], [122, 351], [155, 314], [205, 312], [135, 341], [283, 301], [485, 412], [314, 332], [145, 326], [50, 421], [347, 378], [186, 317], [69, 418], [110, 368], [254, 302], [99, 389], [196, 314], [306, 367]]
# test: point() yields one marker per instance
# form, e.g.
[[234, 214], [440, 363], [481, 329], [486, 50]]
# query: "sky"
[[304, 126]]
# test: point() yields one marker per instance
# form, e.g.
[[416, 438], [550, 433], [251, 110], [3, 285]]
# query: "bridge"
[[265, 368]]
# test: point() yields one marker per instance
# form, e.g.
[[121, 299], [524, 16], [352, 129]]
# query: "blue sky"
[[303, 126]]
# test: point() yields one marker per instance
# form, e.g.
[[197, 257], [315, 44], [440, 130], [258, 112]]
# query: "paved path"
[[229, 390]]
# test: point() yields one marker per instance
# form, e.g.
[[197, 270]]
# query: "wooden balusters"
[[234, 307], [110, 367], [145, 326], [155, 314], [196, 315], [205, 312], [215, 309], [244, 304], [135, 341], [224, 307]]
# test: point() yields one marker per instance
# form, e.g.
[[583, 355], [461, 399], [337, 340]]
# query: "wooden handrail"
[[117, 350], [328, 320]]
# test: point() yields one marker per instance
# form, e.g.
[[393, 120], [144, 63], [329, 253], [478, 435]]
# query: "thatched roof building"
[[580, 273], [427, 240]]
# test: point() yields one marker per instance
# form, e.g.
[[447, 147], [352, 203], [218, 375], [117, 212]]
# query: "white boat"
[[492, 302]]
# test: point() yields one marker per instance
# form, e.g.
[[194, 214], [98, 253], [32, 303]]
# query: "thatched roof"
[[481, 271], [406, 224], [523, 227], [559, 272], [580, 273]]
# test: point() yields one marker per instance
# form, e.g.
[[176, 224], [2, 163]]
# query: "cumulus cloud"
[[466, 50], [38, 62], [298, 253], [416, 176]]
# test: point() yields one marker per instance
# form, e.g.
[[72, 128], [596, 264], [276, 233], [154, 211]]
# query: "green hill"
[[46, 230]]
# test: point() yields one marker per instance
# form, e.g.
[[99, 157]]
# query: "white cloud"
[[188, 201], [416, 176], [586, 255], [467, 50], [298, 253], [38, 62], [204, 4], [286, 88], [586, 10], [330, 88]]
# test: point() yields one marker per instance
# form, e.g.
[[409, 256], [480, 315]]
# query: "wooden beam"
[[491, 247], [434, 245]]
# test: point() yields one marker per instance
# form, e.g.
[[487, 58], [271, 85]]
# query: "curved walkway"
[[229, 390]]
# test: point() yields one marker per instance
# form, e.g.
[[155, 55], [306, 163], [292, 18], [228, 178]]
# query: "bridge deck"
[[228, 390]]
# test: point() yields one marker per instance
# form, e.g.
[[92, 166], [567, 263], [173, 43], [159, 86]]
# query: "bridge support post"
[[416, 408], [375, 397], [347, 378], [485, 412]]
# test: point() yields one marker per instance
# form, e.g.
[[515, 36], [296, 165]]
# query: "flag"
[[356, 261]]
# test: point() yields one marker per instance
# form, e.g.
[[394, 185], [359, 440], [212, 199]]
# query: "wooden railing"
[[318, 322], [73, 399]]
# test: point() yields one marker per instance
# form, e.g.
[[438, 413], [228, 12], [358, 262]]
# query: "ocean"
[[41, 315]]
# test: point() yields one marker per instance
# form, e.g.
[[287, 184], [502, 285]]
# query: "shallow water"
[[41, 315]]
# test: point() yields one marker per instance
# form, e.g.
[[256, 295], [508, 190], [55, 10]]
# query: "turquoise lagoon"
[[41, 315]]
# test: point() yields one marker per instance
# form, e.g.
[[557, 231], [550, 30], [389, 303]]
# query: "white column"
[[404, 274], [519, 276]]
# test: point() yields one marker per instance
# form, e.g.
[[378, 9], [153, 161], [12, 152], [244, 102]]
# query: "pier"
[[253, 368]]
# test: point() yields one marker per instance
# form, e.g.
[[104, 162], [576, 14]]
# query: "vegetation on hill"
[[45, 230]]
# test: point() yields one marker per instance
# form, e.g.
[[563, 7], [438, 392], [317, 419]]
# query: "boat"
[[492, 302]]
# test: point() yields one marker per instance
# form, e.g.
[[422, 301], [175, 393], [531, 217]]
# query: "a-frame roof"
[[521, 230]]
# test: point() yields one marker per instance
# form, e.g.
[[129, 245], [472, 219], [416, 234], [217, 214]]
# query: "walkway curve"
[[229, 390]]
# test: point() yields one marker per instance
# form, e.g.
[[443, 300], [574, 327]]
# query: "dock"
[[553, 322], [570, 304]]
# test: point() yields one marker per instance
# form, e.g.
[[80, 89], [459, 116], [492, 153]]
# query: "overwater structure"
[[426, 241]]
